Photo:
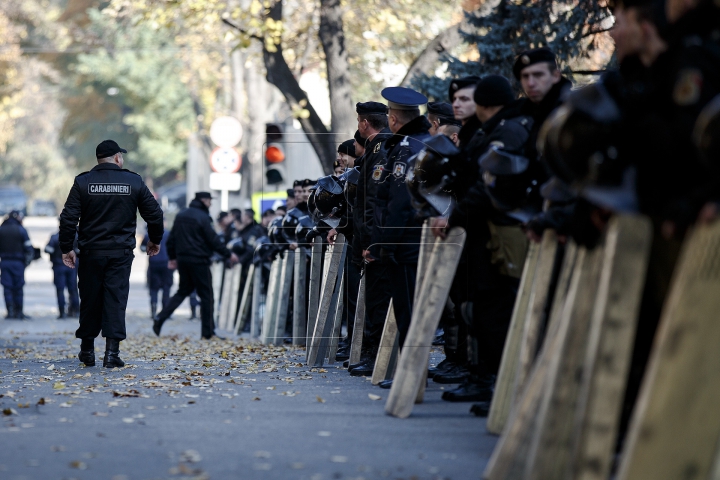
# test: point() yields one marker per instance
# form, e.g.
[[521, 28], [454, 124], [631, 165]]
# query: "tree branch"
[[428, 58]]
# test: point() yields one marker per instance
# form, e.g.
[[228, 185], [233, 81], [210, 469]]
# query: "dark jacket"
[[396, 228], [14, 241], [250, 235], [541, 111], [366, 193], [509, 129], [192, 238], [106, 200]]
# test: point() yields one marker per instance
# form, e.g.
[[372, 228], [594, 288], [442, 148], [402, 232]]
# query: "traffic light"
[[274, 153]]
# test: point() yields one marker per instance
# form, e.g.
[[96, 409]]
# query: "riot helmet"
[[350, 181], [305, 226], [328, 201], [434, 171], [579, 140], [511, 182]]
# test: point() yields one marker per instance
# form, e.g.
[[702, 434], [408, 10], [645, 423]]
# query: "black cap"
[[530, 57], [460, 83], [401, 98], [108, 148], [371, 108], [290, 191], [297, 183], [347, 147], [202, 195], [267, 212], [308, 183], [250, 212], [440, 109], [281, 207], [222, 215], [493, 90], [449, 121], [359, 139]]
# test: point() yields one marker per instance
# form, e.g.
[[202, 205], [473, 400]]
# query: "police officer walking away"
[[63, 278], [15, 250], [159, 276], [106, 200], [190, 245]]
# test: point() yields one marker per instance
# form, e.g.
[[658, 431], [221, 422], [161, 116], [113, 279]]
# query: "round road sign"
[[225, 160], [226, 132]]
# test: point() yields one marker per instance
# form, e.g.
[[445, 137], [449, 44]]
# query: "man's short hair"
[[405, 116], [377, 122], [269, 212], [448, 129], [281, 207]]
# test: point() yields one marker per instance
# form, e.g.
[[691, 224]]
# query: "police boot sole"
[[364, 371], [447, 379]]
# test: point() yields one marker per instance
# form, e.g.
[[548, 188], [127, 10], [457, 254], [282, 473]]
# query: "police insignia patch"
[[377, 148], [398, 169], [687, 87], [377, 172]]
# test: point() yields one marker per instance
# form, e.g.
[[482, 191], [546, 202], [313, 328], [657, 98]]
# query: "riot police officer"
[[16, 252], [105, 201], [63, 278], [395, 241]]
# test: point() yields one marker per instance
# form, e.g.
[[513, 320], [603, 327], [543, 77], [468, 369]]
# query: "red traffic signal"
[[274, 154]]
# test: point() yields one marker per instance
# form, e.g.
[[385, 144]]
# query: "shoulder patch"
[[688, 87], [399, 169], [377, 172], [377, 147]]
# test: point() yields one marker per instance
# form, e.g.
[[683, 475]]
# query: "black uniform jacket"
[[366, 194], [106, 200], [507, 129], [396, 227], [192, 238]]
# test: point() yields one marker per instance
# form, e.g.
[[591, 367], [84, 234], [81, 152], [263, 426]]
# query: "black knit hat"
[[530, 57], [359, 139], [347, 147], [493, 90]]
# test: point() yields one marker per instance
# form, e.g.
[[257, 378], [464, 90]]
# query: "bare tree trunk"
[[429, 58], [332, 38]]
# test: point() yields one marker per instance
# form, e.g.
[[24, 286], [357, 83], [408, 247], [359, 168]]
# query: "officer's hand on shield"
[[331, 236], [152, 249], [69, 259], [172, 264], [438, 226], [367, 256]]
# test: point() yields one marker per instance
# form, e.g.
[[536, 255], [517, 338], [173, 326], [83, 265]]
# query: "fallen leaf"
[[78, 464], [100, 414], [372, 396], [256, 398], [9, 411], [319, 399], [338, 459], [41, 401], [59, 385], [190, 456], [66, 404], [128, 420]]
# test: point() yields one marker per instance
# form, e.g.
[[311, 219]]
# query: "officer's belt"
[[117, 252]]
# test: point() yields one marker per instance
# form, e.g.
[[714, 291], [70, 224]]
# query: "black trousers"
[[194, 276], [377, 299], [159, 278], [350, 294], [402, 289], [104, 283]]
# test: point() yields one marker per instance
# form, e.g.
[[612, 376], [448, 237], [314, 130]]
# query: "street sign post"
[[225, 132]]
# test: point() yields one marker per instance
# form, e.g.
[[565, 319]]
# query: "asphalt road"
[[187, 408]]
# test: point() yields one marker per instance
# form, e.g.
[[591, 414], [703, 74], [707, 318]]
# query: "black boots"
[[62, 314], [73, 312], [157, 325], [10, 312], [153, 311], [192, 312], [87, 352], [112, 354]]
